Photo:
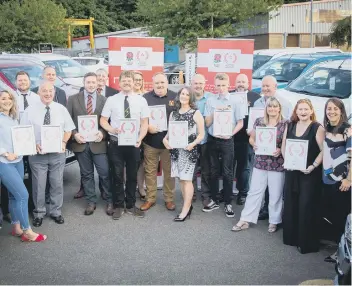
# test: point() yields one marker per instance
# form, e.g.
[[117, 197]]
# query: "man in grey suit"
[[90, 154]]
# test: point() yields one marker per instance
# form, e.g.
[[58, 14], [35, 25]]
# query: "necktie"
[[47, 116], [89, 105], [99, 91], [25, 101], [127, 108]]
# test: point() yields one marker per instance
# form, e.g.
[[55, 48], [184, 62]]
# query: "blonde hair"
[[222, 76], [271, 101], [141, 74], [13, 111]]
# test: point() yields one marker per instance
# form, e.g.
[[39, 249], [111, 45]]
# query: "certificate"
[[178, 134], [51, 138], [265, 139], [88, 127], [254, 113], [158, 117], [222, 123], [296, 154], [23, 140], [243, 101], [128, 132]]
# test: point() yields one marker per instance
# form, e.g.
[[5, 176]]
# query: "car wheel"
[[174, 79]]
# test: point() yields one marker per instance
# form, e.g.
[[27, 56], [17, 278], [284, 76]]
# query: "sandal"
[[240, 226], [13, 233], [272, 228], [39, 238]]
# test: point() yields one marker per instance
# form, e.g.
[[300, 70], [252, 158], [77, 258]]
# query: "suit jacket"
[[76, 107], [109, 91], [60, 95]]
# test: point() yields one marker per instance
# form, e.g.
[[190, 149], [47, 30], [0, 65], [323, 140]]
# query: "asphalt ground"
[[153, 250]]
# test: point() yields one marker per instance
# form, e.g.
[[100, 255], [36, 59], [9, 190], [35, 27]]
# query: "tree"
[[341, 32], [25, 24], [182, 22]]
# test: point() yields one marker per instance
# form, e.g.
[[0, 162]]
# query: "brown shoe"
[[79, 194], [170, 206], [90, 209], [146, 206], [109, 209]]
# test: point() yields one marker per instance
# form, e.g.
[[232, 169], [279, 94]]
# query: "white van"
[[260, 57]]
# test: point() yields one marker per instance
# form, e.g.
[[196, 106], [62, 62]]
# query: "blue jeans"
[[11, 176]]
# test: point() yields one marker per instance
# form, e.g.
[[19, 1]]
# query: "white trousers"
[[259, 182]]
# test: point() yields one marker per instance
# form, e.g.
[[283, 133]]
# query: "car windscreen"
[[67, 68], [283, 70], [259, 60], [324, 82]]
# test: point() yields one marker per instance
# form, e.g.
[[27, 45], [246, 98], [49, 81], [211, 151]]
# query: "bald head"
[[241, 82], [46, 92], [198, 84], [49, 74], [269, 85]]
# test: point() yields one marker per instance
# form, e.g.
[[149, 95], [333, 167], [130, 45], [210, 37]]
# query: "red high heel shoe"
[[13, 233], [39, 238]]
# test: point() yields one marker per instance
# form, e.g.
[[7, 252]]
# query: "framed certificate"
[[128, 134], [51, 138], [265, 139], [296, 153], [88, 127], [23, 140], [254, 113], [158, 117], [222, 123], [178, 134]]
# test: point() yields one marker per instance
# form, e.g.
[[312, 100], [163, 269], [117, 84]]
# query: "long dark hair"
[[192, 98], [343, 118]]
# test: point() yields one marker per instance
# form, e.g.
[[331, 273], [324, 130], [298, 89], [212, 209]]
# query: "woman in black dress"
[[302, 190]]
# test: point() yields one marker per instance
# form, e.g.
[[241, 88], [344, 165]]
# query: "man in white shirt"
[[25, 97], [48, 112], [123, 105]]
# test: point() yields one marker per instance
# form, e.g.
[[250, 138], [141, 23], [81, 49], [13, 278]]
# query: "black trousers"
[[225, 149], [121, 156], [242, 160], [204, 163]]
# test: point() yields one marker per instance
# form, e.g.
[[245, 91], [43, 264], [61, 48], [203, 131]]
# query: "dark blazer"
[[76, 107], [60, 95], [109, 91]]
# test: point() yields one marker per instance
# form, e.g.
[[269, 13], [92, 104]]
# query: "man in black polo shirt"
[[154, 147]]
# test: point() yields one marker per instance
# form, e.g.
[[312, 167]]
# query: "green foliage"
[[341, 32], [25, 24], [182, 22]]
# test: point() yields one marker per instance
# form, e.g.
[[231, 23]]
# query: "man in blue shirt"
[[222, 145]]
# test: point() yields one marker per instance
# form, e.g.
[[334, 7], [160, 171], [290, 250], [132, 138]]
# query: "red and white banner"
[[231, 56], [137, 54]]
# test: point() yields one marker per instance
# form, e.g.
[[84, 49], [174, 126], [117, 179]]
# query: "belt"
[[114, 139], [219, 139]]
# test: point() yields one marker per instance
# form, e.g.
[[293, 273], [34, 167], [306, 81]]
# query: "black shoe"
[[37, 222], [178, 219], [240, 201], [211, 206], [263, 215], [229, 211], [330, 259], [58, 219]]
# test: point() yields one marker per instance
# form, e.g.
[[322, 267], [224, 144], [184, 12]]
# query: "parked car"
[[324, 81], [67, 69], [344, 257], [261, 57], [287, 68], [172, 72], [92, 63]]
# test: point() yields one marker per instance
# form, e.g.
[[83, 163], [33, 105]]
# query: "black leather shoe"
[[240, 201], [37, 222], [58, 219], [330, 259], [263, 215]]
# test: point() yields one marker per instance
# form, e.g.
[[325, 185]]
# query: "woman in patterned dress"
[[268, 172], [183, 161]]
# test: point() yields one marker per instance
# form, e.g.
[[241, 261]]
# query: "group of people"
[[294, 197]]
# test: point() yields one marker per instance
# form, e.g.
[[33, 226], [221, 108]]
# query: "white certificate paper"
[[265, 139], [158, 117], [51, 138], [128, 134], [254, 113], [178, 134], [23, 140], [222, 123], [88, 127], [296, 153]]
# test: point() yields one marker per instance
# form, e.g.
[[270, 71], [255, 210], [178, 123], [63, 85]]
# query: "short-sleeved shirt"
[[34, 115], [201, 103], [156, 140], [271, 163], [114, 109], [217, 101], [6, 145], [32, 99], [286, 105]]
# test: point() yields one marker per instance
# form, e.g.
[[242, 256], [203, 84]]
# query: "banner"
[[144, 54], [190, 67], [230, 56]]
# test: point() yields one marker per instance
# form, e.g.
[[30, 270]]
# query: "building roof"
[[308, 3]]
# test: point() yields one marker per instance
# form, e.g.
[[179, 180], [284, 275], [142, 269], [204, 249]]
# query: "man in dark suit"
[[49, 74], [90, 154]]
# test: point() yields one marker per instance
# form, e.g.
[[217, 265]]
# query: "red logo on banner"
[[129, 58], [217, 58], [230, 58]]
